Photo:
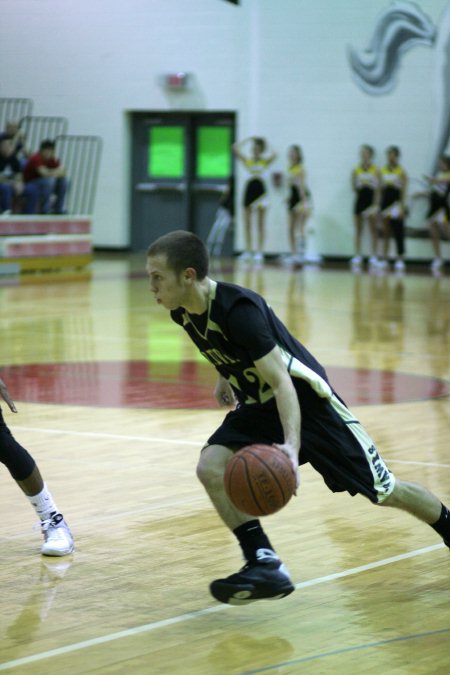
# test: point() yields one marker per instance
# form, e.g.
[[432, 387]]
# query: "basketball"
[[259, 480]]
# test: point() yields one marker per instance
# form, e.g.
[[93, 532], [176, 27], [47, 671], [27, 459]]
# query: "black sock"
[[251, 537], [442, 526]]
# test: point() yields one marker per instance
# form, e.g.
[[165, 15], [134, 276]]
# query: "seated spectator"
[[45, 172], [11, 181], [17, 137]]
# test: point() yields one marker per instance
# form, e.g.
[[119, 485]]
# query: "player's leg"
[[264, 575], [421, 503], [22, 467], [210, 472], [343, 452]]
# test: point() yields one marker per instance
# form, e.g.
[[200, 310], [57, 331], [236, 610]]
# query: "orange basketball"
[[259, 480]]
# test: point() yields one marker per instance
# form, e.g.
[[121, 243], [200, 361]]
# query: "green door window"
[[166, 152], [213, 152]]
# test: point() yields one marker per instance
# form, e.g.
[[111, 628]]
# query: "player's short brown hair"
[[182, 249]]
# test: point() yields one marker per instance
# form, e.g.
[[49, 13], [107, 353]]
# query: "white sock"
[[43, 504]]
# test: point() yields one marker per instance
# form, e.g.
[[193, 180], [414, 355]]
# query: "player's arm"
[[223, 392], [273, 371]]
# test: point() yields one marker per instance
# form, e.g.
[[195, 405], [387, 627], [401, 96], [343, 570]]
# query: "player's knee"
[[205, 470], [211, 465], [202, 471], [394, 498], [17, 460]]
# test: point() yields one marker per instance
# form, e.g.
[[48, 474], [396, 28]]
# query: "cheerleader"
[[438, 216], [393, 182], [299, 205], [255, 194], [366, 183]]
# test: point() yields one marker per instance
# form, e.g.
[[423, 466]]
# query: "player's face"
[[164, 283]]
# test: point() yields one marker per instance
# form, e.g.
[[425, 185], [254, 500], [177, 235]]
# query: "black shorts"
[[437, 203], [254, 191], [364, 200], [332, 441], [294, 198], [390, 195]]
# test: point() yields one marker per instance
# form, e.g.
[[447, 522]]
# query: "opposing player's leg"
[[264, 575], [58, 539]]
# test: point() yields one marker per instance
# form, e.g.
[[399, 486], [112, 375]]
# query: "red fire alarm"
[[176, 81]]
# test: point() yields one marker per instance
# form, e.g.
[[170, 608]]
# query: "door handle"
[[155, 187], [209, 187]]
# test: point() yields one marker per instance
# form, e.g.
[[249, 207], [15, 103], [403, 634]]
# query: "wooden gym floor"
[[114, 405]]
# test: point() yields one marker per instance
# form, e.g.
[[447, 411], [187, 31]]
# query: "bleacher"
[[51, 242]]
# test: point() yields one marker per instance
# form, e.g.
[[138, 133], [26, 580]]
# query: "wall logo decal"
[[399, 28]]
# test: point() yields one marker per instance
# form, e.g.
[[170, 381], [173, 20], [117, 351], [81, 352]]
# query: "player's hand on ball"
[[292, 453]]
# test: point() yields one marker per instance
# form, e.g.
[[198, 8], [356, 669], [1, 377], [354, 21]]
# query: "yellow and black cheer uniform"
[[255, 190], [239, 328], [392, 180], [295, 200], [438, 209], [366, 183], [391, 190]]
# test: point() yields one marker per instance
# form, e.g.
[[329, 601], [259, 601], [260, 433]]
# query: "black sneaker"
[[266, 579]]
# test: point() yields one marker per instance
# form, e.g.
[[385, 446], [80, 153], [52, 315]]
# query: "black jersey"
[[238, 328]]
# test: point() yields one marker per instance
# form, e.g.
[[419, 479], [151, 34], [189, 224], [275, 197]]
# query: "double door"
[[181, 163]]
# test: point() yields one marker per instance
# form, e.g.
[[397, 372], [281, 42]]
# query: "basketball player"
[[255, 200], [299, 205], [365, 183], [393, 181], [282, 397], [58, 539]]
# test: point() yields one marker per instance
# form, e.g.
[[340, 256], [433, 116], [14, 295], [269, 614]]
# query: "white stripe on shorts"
[[383, 479]]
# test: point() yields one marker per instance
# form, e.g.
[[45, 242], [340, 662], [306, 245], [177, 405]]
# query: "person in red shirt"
[[48, 176]]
